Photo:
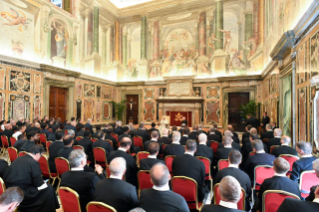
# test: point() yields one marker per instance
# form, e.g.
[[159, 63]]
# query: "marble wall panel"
[[89, 90], [286, 110], [20, 81], [302, 64], [2, 105], [302, 116], [3, 79], [79, 89], [213, 112], [213, 92], [149, 110], [37, 83], [106, 92], [149, 93], [88, 106], [19, 106], [37, 106], [106, 107], [98, 110]]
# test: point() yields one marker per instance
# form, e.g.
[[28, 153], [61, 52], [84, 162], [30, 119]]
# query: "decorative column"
[[248, 31], [294, 97], [143, 63], [117, 41], [82, 41], [112, 46], [202, 34], [260, 22], [104, 46], [240, 35], [219, 5], [156, 39], [124, 46], [96, 22]]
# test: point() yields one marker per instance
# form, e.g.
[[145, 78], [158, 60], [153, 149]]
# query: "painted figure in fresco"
[[60, 39], [252, 41], [235, 62], [15, 19], [211, 41], [228, 39], [132, 68]]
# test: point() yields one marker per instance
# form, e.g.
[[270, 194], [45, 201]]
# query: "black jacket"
[[144, 134], [165, 140], [183, 140], [65, 152], [222, 153], [214, 137], [86, 143], [103, 144], [218, 208], [294, 205], [284, 150], [205, 151], [264, 121], [267, 134], [174, 149], [253, 122], [272, 142], [147, 163], [54, 148], [193, 135]]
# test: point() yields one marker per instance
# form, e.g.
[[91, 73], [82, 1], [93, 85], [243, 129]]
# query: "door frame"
[[70, 96], [252, 90], [140, 108]]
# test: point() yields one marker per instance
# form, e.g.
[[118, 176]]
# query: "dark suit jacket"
[[86, 143], [147, 163], [120, 195], [294, 205], [214, 137], [267, 134], [51, 137], [174, 149], [233, 144], [255, 160], [65, 152], [217, 132], [284, 150], [118, 130], [81, 133], [245, 135], [104, 144], [183, 140], [235, 139], [276, 183], [70, 127], [3, 167], [88, 125], [205, 151], [245, 150], [235, 134], [193, 135], [218, 208], [222, 153], [109, 137], [160, 201], [133, 149], [83, 183], [264, 121], [131, 168], [253, 122], [303, 164], [311, 196], [54, 148], [273, 141], [144, 134], [165, 140], [19, 144], [189, 166], [27, 146]]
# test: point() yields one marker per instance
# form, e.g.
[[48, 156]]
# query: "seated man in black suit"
[[108, 136], [72, 126], [234, 160], [185, 136], [213, 136], [86, 143], [125, 133], [33, 138], [102, 143], [222, 153], [45, 127], [120, 195], [305, 162], [118, 128], [89, 126], [82, 182], [3, 167], [21, 140], [203, 150], [276, 139], [164, 139], [231, 129], [147, 163], [54, 148], [278, 182], [234, 144], [315, 167], [131, 168], [97, 129], [230, 191], [51, 137], [194, 134], [160, 197], [284, 148], [175, 148], [189, 166], [260, 158], [217, 131], [142, 132], [252, 131], [154, 138], [153, 128], [67, 149], [294, 205], [245, 137], [269, 134]]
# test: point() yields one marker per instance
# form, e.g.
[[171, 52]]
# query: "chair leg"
[[57, 188], [53, 181]]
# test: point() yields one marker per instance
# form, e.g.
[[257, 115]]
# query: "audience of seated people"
[[234, 144], [203, 150], [154, 138]]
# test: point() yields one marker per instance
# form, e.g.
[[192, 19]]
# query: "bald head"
[[118, 166], [253, 130], [230, 127], [229, 189], [228, 133], [202, 138], [160, 175], [165, 131], [176, 136], [285, 140]]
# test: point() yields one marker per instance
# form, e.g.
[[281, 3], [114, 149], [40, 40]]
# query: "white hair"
[[89, 120], [176, 136], [118, 166], [229, 133], [202, 137], [277, 132], [76, 157], [165, 131]]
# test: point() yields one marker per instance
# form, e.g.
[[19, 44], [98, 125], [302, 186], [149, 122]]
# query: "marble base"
[[219, 63], [93, 63], [143, 69], [58, 61]]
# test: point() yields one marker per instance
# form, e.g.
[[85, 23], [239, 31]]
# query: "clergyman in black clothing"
[[147, 163], [33, 137], [126, 130], [54, 148], [203, 150], [265, 120], [213, 136], [245, 136], [154, 138], [19, 143], [230, 191], [98, 129], [222, 153], [141, 131], [84, 183], [102, 143], [164, 139], [278, 182], [185, 136], [295, 205], [67, 149], [269, 134], [111, 138], [86, 143], [234, 160], [160, 197], [3, 167], [175, 148], [284, 148], [252, 121], [276, 140], [120, 195]]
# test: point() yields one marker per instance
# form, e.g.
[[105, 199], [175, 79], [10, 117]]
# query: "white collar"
[[185, 135], [164, 135], [260, 152], [228, 204], [306, 156], [316, 200], [115, 177], [284, 145], [194, 130], [175, 142], [233, 166], [152, 156], [280, 175], [212, 133], [277, 136], [163, 188], [122, 149], [228, 147], [270, 130], [189, 153], [202, 143], [153, 139], [77, 169]]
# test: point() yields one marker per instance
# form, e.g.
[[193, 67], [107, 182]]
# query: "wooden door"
[[132, 109], [234, 102], [58, 103]]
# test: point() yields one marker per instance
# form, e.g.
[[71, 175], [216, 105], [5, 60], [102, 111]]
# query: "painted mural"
[[286, 110], [20, 81], [314, 51]]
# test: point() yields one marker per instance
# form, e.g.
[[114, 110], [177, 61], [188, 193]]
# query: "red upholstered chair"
[[100, 156], [187, 187], [13, 140], [13, 153], [291, 159], [261, 173], [45, 168], [99, 207], [140, 156], [252, 153], [240, 203], [65, 132], [2, 187], [43, 138], [93, 140], [62, 165], [5, 144], [48, 143], [115, 136], [50, 130], [222, 163], [214, 146], [22, 153], [307, 180], [138, 141], [70, 200], [208, 176], [78, 147], [272, 148], [169, 162], [144, 181], [272, 199], [110, 142], [78, 138]]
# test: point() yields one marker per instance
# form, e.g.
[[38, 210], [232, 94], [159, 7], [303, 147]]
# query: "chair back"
[[78, 147], [70, 200], [115, 136], [99, 207], [261, 173], [252, 153], [100, 156], [50, 130], [62, 165], [2, 187], [48, 143], [169, 162], [240, 203], [65, 132], [22, 153], [272, 199], [307, 180], [5, 142], [214, 146], [13, 140], [140, 156], [144, 180], [138, 141], [291, 159], [43, 138], [207, 165], [78, 138], [93, 140], [272, 148], [223, 163], [44, 165], [13, 153], [110, 142], [186, 187], [265, 140]]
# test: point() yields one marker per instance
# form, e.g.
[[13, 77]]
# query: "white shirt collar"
[[189, 153], [316, 200], [233, 166], [228, 204], [185, 136], [122, 149], [306, 156], [152, 156], [284, 145], [277, 136], [202, 143], [115, 177], [280, 175], [77, 169], [153, 139], [164, 135], [194, 130], [270, 130], [163, 188], [175, 142], [261, 151], [228, 147], [212, 133]]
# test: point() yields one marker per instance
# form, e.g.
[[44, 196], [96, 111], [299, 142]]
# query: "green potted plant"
[[119, 108], [249, 108]]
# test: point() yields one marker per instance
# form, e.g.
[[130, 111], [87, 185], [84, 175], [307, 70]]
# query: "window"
[[57, 3]]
